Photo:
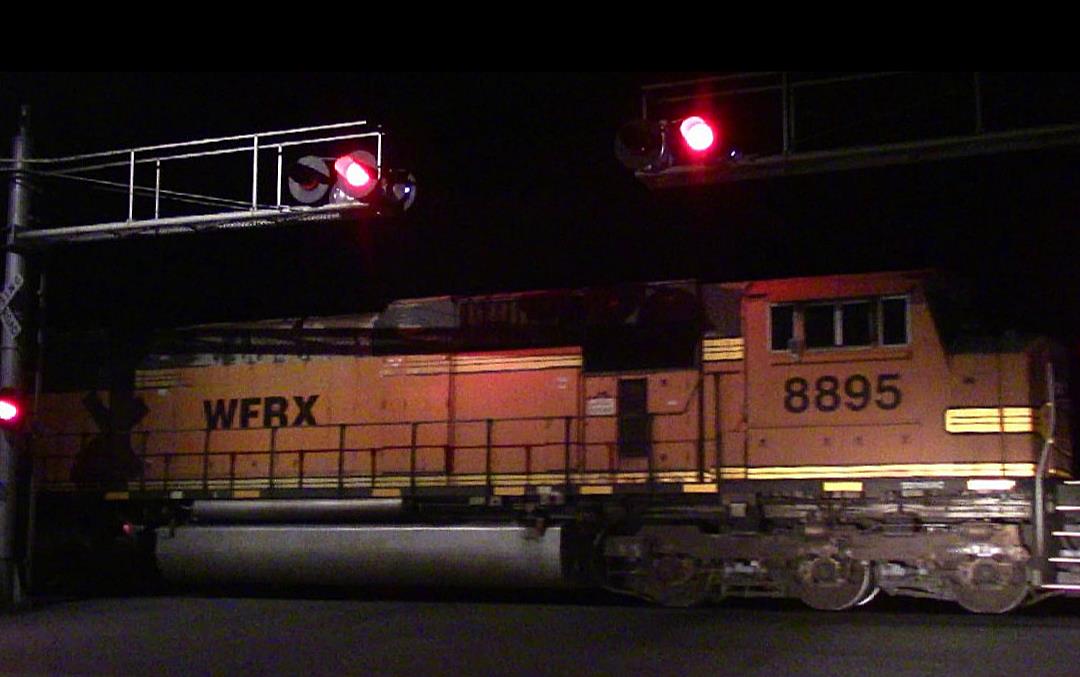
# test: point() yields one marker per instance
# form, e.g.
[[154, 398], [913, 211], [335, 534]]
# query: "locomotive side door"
[[634, 429]]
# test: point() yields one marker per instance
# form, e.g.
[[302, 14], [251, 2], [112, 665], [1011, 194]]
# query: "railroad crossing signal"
[[353, 177], [118, 416], [653, 146], [10, 322]]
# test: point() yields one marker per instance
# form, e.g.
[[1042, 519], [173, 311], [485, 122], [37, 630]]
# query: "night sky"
[[519, 189]]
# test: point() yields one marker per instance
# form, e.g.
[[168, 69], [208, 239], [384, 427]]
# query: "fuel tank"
[[362, 555]]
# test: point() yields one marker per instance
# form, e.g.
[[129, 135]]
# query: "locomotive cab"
[[851, 379]]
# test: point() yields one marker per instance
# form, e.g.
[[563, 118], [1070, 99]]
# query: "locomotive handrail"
[[170, 460], [364, 424], [1039, 498], [376, 449], [165, 464]]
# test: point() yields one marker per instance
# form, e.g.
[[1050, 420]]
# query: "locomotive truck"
[[824, 438]]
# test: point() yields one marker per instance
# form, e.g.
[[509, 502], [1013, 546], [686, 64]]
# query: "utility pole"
[[11, 593]]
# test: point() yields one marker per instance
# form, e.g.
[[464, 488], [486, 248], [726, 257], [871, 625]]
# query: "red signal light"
[[698, 134], [357, 176], [354, 173], [650, 146], [11, 409]]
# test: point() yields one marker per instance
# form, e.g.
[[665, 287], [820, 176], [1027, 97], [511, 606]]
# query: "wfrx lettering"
[[246, 412]]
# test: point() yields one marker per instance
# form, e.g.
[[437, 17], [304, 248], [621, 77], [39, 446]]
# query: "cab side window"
[[894, 321], [819, 326], [853, 323], [781, 326]]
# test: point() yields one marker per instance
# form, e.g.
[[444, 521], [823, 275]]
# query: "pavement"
[[526, 634]]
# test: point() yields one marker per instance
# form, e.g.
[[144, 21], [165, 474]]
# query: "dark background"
[[519, 189]]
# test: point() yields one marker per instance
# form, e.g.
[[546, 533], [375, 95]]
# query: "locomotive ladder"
[[1062, 563], [1065, 551]]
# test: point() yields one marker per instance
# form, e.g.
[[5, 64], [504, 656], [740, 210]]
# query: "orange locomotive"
[[810, 437]]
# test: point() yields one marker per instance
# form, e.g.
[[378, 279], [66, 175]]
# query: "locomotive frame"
[[820, 438]]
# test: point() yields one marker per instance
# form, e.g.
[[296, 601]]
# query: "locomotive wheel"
[[674, 581], [834, 583], [985, 586]]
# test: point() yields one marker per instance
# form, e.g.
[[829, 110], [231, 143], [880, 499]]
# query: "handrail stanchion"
[[412, 457], [142, 464], [374, 467], [649, 455], [341, 459], [206, 460], [255, 172], [566, 452], [277, 203], [528, 465], [273, 448], [487, 455], [157, 189], [131, 186]]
